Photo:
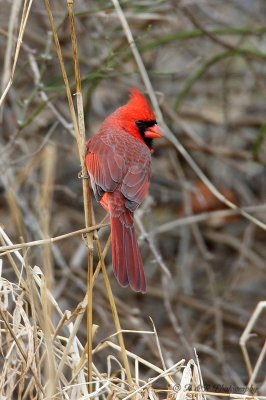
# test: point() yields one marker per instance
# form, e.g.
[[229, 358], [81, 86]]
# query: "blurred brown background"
[[206, 61]]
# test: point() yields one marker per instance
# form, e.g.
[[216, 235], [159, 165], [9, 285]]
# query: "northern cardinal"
[[118, 160]]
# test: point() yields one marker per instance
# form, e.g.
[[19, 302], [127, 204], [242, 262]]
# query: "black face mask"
[[142, 127]]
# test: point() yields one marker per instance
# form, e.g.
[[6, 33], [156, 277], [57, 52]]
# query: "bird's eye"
[[143, 125]]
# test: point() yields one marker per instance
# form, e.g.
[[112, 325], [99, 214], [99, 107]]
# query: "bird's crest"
[[139, 105]]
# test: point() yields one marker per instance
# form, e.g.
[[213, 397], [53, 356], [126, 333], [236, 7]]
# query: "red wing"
[[135, 185], [104, 166]]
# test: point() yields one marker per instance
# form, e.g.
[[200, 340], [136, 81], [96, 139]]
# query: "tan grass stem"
[[115, 315]]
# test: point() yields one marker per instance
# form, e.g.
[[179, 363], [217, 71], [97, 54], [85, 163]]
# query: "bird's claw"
[[83, 176]]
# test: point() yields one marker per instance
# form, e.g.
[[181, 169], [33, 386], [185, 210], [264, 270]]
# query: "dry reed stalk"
[[89, 218], [8, 53], [104, 252], [24, 19], [90, 238], [252, 372], [22, 352], [45, 204], [115, 314], [51, 377], [80, 136], [204, 216], [50, 240]]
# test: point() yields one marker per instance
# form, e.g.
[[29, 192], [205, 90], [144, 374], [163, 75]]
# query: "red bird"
[[118, 160]]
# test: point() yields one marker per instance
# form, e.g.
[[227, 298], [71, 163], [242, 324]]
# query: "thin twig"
[[43, 242], [205, 216]]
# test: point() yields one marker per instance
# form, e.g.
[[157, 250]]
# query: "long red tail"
[[127, 261]]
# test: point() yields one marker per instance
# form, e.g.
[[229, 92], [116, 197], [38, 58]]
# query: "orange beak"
[[153, 132]]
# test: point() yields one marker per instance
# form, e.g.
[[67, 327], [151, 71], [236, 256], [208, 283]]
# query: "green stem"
[[198, 74], [197, 33]]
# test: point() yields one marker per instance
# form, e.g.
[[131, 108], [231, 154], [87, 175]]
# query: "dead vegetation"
[[202, 229]]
